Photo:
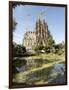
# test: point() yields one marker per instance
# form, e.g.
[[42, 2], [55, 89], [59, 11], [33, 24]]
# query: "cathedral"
[[41, 32], [29, 40], [38, 37]]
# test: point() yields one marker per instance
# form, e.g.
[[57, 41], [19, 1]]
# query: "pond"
[[37, 73], [23, 64], [57, 74]]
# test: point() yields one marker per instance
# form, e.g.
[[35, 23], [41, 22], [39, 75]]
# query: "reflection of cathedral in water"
[[39, 36]]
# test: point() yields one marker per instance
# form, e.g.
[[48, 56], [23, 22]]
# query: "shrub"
[[18, 50], [40, 47]]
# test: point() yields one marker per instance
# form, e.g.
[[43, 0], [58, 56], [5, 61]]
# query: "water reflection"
[[57, 74], [59, 68], [52, 74]]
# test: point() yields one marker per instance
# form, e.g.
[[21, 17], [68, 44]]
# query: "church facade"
[[29, 40], [39, 36]]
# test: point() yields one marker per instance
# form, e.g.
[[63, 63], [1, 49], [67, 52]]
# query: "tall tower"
[[41, 32]]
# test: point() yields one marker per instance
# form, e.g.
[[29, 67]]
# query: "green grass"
[[47, 56]]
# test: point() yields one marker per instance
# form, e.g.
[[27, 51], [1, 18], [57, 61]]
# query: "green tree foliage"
[[40, 47], [49, 44], [14, 4], [59, 48], [14, 24], [18, 50], [50, 41]]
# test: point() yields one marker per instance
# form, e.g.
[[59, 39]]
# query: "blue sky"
[[26, 17]]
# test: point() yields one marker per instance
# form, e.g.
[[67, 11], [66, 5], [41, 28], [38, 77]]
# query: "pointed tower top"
[[40, 15]]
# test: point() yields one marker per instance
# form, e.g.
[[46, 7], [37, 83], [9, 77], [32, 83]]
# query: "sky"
[[27, 15]]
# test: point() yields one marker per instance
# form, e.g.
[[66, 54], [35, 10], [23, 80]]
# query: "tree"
[[18, 50], [50, 41], [14, 4], [14, 24], [59, 48], [49, 44]]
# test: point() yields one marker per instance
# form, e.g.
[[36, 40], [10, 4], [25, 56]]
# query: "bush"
[[40, 47], [18, 50], [47, 49]]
